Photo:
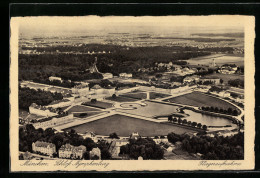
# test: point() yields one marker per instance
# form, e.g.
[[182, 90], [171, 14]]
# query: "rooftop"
[[44, 144]]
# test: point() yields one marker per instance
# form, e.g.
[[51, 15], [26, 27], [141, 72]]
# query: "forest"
[[212, 148], [28, 96], [144, 147], [121, 59]]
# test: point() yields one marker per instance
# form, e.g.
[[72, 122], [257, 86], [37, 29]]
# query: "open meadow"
[[199, 99]]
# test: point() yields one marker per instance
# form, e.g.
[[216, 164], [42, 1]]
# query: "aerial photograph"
[[130, 88]]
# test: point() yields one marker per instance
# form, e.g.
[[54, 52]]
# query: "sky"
[[92, 25]]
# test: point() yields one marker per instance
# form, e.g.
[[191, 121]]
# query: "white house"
[[107, 75], [224, 94], [52, 78], [125, 75]]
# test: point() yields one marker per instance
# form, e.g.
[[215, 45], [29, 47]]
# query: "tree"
[[179, 120], [221, 81], [124, 149], [95, 157], [229, 111], [199, 125], [86, 155], [184, 121], [194, 124], [146, 148], [114, 96], [173, 138], [113, 135], [158, 75], [207, 108], [235, 112], [89, 144], [204, 127], [174, 119], [170, 118], [189, 123], [236, 83]]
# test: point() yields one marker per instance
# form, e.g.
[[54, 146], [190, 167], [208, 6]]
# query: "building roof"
[[95, 87], [44, 144], [80, 148], [67, 146]]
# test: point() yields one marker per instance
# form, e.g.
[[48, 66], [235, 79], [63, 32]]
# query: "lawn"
[[227, 77], [199, 99], [80, 108], [143, 95], [220, 59], [98, 104], [128, 125], [122, 99]]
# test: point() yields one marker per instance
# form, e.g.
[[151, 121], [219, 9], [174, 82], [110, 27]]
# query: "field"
[[23, 113], [128, 125], [140, 95], [79, 108], [227, 77], [199, 99], [98, 104], [220, 59], [122, 99], [88, 114]]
